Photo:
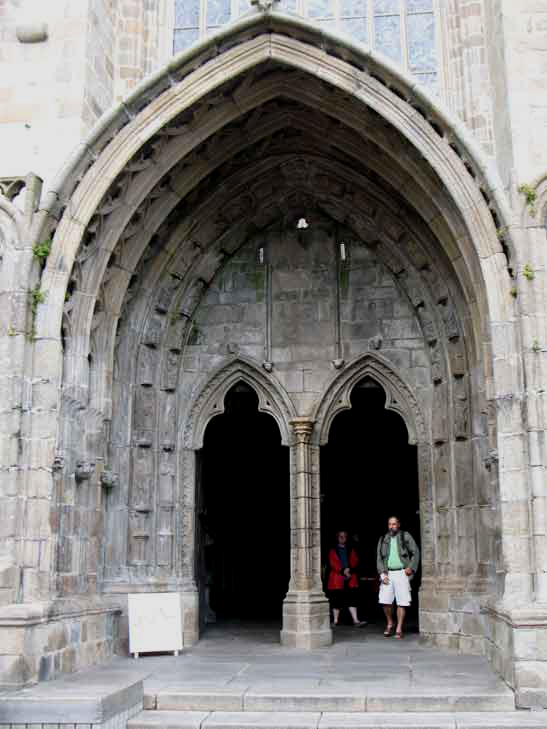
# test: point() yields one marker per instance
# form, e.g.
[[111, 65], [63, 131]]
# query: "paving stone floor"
[[240, 677], [233, 656]]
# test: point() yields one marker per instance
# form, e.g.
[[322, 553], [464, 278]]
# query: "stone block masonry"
[[177, 268], [35, 646], [100, 699]]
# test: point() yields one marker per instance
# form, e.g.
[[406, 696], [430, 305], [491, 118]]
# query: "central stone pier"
[[306, 615]]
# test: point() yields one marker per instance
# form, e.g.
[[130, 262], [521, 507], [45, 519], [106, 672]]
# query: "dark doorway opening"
[[369, 472], [244, 513]]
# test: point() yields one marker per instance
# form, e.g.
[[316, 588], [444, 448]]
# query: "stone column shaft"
[[306, 614]]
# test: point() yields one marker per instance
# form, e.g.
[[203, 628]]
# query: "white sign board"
[[155, 622]]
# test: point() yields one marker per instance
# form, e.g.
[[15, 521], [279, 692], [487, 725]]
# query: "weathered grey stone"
[[178, 246]]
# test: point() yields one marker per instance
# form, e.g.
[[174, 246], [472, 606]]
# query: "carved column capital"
[[302, 429]]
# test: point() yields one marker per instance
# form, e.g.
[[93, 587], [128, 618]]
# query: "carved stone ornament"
[[375, 342], [31, 32], [264, 5], [58, 463], [109, 479], [83, 471], [10, 187], [491, 459]]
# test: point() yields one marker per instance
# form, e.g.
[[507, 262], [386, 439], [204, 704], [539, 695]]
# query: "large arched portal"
[[280, 204]]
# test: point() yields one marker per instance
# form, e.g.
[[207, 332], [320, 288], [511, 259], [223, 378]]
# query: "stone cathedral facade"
[[290, 199]]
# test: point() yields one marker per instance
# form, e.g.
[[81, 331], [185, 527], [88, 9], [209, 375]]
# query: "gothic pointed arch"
[[204, 160], [399, 396], [211, 391]]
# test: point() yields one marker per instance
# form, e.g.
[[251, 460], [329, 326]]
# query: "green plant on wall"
[[530, 194], [42, 250], [528, 272], [37, 297]]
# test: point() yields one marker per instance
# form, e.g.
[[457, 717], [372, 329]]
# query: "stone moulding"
[[212, 390], [399, 396]]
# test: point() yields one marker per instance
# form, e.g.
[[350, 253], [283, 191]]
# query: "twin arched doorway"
[[368, 470]]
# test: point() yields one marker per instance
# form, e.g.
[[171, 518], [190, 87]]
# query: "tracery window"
[[404, 30]]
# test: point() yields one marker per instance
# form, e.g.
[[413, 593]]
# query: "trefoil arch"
[[399, 397], [212, 391]]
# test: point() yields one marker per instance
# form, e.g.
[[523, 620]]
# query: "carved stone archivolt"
[[209, 400], [245, 155], [399, 397]]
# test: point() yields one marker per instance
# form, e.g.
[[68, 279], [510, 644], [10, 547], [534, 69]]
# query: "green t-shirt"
[[394, 561]]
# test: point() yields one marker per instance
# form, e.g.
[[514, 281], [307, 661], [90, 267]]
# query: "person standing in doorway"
[[397, 560], [343, 585]]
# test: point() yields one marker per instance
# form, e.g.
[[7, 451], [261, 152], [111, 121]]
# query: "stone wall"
[[466, 71], [63, 79], [96, 52], [37, 646], [522, 29], [100, 68], [42, 93], [141, 42], [135, 321]]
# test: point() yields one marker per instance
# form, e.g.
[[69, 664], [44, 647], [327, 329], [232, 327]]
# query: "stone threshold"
[[326, 699], [327, 720]]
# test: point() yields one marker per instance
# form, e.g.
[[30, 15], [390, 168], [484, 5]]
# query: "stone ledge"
[[530, 616], [24, 614], [89, 697], [352, 698], [316, 720]]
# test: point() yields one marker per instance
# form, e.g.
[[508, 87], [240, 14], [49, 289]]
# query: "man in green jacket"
[[397, 560]]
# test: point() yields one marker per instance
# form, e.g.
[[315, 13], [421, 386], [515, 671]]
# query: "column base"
[[306, 620], [517, 648]]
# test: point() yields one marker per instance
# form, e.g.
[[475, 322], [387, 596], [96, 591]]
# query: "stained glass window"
[[186, 29], [387, 36], [217, 13], [421, 41], [404, 30]]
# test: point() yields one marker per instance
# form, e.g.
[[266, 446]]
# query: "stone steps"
[[324, 699], [151, 719]]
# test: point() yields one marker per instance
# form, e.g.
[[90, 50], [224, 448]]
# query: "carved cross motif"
[[264, 5]]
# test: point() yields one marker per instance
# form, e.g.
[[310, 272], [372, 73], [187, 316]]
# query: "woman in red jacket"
[[343, 585]]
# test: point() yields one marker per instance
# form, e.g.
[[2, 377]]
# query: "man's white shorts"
[[398, 589]]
